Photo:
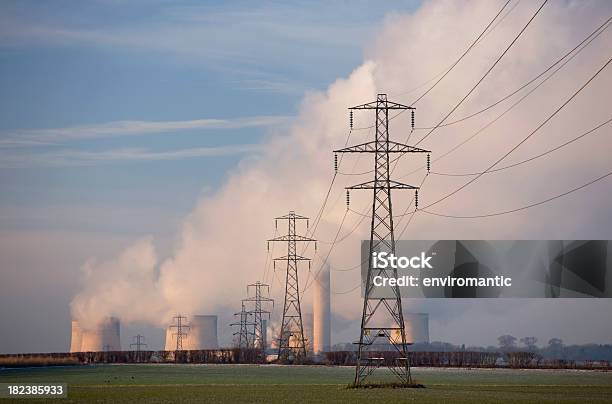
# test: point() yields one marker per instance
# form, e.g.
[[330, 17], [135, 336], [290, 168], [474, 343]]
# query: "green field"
[[268, 383]]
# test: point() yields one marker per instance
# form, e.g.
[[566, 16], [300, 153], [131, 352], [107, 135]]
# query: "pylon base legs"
[[400, 369], [393, 355]]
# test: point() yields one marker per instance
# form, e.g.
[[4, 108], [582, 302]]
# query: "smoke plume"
[[222, 245]]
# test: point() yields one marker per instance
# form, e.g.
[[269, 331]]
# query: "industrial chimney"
[[75, 337], [321, 312]]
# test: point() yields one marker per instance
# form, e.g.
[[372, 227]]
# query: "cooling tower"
[[170, 344], [201, 334], [105, 336], [75, 337], [417, 327], [321, 313]]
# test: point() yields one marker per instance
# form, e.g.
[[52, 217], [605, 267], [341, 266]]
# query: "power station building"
[[200, 334], [417, 327], [105, 336]]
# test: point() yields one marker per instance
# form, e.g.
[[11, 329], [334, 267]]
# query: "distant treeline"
[[233, 355], [471, 359], [555, 349]]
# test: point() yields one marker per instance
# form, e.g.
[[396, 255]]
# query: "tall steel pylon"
[[291, 339], [258, 299], [243, 333], [181, 330], [382, 317], [138, 343]]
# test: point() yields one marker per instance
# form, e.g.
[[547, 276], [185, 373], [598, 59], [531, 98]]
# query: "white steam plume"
[[222, 244]]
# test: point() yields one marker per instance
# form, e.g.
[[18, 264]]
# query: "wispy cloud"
[[49, 136], [72, 158], [263, 40]]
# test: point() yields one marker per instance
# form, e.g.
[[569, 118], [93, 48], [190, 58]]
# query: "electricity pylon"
[[138, 343], [382, 317], [181, 330], [258, 299], [243, 332], [291, 339]]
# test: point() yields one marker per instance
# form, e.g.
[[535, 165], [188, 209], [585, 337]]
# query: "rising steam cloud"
[[222, 243]]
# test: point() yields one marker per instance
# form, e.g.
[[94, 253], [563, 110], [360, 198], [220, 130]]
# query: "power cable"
[[524, 139], [462, 56], [579, 47], [491, 68], [589, 38], [505, 212], [328, 253], [486, 73], [498, 117], [444, 73], [347, 291], [547, 152]]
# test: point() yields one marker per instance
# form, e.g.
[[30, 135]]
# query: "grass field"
[[252, 383]]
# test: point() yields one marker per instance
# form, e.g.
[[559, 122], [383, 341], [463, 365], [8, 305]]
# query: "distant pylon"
[[382, 317], [291, 341], [255, 292], [244, 342], [181, 330], [138, 343]]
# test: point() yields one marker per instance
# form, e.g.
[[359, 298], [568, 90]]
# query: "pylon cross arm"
[[388, 105], [292, 215], [288, 258], [294, 237], [377, 184], [381, 147]]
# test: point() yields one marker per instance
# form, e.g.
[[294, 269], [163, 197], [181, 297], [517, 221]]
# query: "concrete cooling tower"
[[321, 327], [417, 327], [201, 334], [105, 336]]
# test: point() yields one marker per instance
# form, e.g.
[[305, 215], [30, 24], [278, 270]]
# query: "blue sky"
[[93, 65]]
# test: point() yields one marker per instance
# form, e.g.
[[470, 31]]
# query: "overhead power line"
[[584, 42], [480, 36], [362, 216], [348, 291], [551, 116], [505, 212], [484, 75], [547, 152], [462, 55], [501, 115], [307, 285], [440, 76], [564, 59]]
